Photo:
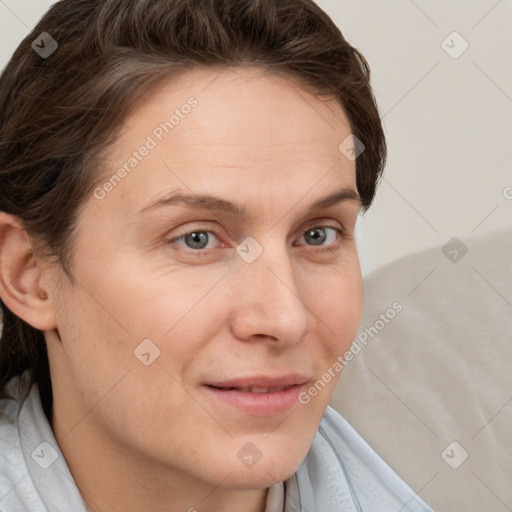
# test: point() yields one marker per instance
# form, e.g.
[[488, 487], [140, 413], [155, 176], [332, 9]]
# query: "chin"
[[259, 477], [267, 471]]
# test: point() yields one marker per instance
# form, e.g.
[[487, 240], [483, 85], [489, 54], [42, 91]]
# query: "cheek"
[[340, 309], [337, 300], [145, 331]]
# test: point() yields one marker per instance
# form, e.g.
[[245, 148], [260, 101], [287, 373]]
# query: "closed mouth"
[[253, 389], [258, 395]]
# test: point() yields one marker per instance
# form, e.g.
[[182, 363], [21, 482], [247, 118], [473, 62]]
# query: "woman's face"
[[174, 298]]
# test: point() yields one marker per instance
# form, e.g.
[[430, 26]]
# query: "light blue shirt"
[[340, 472]]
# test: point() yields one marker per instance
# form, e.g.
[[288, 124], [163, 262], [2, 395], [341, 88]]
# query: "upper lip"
[[262, 381]]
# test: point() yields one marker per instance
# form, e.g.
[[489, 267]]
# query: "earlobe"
[[20, 276]]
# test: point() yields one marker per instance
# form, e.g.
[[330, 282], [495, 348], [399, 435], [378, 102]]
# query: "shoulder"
[[339, 450], [34, 475], [10, 407], [16, 489]]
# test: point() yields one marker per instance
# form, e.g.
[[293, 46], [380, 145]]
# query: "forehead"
[[228, 130], [247, 108]]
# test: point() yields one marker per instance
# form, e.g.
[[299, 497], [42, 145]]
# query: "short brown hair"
[[59, 113]]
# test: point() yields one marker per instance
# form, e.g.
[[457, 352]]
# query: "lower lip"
[[258, 404]]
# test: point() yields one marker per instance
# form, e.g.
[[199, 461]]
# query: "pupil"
[[196, 238], [317, 239]]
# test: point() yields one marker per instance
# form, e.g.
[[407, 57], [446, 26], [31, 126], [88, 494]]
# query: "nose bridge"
[[269, 300]]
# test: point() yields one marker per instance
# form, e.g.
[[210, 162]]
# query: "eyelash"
[[340, 233]]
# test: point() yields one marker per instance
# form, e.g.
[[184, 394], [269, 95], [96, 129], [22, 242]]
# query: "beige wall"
[[448, 120]]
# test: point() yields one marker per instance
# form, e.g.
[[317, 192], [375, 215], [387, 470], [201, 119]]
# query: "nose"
[[267, 300]]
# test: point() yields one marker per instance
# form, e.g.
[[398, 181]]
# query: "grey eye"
[[195, 239], [317, 235]]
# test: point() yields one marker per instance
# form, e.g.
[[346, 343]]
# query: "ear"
[[20, 276]]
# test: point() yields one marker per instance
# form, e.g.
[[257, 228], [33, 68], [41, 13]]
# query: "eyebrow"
[[217, 204]]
